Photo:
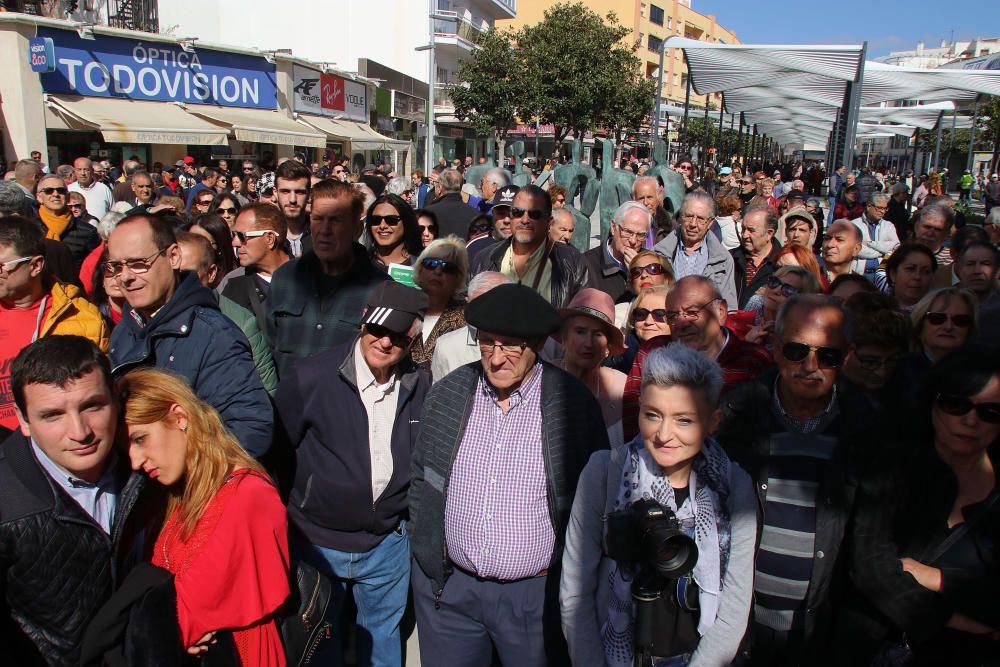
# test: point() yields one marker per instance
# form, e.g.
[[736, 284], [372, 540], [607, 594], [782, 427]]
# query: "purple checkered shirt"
[[497, 522]]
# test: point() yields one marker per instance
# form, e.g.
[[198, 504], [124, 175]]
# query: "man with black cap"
[[495, 468], [502, 200], [351, 414]]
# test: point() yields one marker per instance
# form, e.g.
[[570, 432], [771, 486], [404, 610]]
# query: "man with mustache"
[[801, 437]]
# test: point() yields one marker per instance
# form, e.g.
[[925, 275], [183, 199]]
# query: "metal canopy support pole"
[[851, 127], [748, 152], [707, 139], [833, 155], [722, 136], [687, 102], [913, 168], [937, 144], [739, 142], [972, 134], [655, 131], [431, 75], [732, 128]]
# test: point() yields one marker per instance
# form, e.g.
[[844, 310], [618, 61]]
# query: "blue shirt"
[[98, 500], [690, 265]]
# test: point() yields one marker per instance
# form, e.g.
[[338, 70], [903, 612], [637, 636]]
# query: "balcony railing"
[[140, 15], [460, 26]]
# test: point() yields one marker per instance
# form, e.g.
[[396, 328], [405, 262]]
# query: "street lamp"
[[432, 16]]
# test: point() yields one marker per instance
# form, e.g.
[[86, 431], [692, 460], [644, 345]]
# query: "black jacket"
[[569, 270], [322, 417], [743, 290], [57, 566], [453, 215], [247, 291], [745, 432], [607, 275]]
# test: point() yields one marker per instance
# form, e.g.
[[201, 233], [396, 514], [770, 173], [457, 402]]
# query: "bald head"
[[84, 170]]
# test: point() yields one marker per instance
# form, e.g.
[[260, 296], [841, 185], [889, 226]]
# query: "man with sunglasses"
[[754, 261], [174, 323], [802, 439], [609, 263], [34, 305], [352, 415], [557, 271], [693, 251], [497, 459], [259, 242], [60, 224], [878, 235]]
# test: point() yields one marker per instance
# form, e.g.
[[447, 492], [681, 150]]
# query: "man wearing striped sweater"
[[800, 435]]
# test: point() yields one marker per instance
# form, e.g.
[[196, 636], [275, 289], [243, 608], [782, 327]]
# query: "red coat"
[[232, 573]]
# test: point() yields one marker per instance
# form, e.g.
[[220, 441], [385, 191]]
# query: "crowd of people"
[[744, 428]]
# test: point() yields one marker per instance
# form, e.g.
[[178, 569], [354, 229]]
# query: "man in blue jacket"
[[351, 414], [174, 323]]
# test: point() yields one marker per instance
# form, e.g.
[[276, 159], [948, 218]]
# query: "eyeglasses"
[[10, 266], [876, 363], [136, 266], [879, 208], [533, 213], [746, 182], [487, 346], [827, 357], [243, 236], [391, 220], [641, 314], [774, 282], [961, 320], [653, 269], [204, 202], [247, 170], [957, 406], [629, 234], [226, 210], [399, 340], [691, 313], [50, 191], [691, 217], [431, 263], [74, 205]]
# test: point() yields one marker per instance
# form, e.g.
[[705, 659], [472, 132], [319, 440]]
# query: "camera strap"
[[929, 555]]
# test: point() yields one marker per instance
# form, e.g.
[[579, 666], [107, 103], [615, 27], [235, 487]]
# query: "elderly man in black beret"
[[501, 446]]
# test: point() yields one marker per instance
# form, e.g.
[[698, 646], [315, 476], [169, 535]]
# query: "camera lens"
[[674, 552]]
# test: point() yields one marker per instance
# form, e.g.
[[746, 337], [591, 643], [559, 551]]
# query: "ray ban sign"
[[328, 95]]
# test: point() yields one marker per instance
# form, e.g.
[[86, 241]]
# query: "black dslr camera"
[[647, 535]]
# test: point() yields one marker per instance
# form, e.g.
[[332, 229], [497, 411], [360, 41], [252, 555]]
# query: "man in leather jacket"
[[65, 497], [557, 271]]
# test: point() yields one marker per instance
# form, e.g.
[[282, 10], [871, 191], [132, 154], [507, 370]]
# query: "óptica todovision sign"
[[159, 71]]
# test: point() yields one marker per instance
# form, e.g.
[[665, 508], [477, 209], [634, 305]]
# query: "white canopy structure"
[[887, 82]]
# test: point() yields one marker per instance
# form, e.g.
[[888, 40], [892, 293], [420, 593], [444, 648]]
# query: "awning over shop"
[[132, 121], [361, 136], [260, 126]]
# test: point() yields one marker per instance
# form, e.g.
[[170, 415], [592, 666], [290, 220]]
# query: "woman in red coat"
[[224, 537]]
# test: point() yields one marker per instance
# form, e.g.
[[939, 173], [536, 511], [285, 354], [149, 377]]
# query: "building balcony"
[[458, 30]]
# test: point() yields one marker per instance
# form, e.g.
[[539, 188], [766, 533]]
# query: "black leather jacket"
[[57, 566], [569, 270]]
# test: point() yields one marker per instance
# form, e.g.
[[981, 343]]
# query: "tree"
[[493, 82], [580, 67]]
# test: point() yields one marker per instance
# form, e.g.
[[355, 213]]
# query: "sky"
[[888, 25]]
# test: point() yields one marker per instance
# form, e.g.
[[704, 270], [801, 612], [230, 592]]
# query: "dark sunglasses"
[[957, 406], [962, 321], [432, 263], [828, 357], [746, 182], [774, 282], [49, 191], [229, 210], [399, 340], [533, 213], [391, 220], [640, 315], [654, 269]]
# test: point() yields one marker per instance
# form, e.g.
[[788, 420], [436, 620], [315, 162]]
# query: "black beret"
[[513, 310]]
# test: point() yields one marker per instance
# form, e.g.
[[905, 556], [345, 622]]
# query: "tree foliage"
[[490, 96]]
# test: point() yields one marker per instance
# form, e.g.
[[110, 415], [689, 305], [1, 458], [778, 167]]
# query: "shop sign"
[[544, 130], [42, 54], [329, 95], [408, 107], [136, 70]]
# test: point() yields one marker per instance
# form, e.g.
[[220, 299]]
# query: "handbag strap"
[[959, 532]]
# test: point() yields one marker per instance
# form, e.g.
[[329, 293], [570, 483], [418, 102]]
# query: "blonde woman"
[[442, 271], [224, 532]]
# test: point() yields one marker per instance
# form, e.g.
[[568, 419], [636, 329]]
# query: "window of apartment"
[[656, 14], [670, 20], [654, 43], [675, 79], [642, 9]]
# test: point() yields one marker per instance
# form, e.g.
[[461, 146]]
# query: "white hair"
[[498, 176], [108, 223], [628, 206], [398, 185], [483, 282], [676, 365]]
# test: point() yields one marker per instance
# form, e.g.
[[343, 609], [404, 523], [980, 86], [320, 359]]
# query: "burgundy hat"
[[597, 305]]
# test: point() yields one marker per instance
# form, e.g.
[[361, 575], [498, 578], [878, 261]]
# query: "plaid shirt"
[[310, 312], [497, 521]]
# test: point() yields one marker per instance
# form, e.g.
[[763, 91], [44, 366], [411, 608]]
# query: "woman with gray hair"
[[673, 480], [442, 270]]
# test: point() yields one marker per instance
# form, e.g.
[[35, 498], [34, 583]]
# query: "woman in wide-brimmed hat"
[[589, 335]]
